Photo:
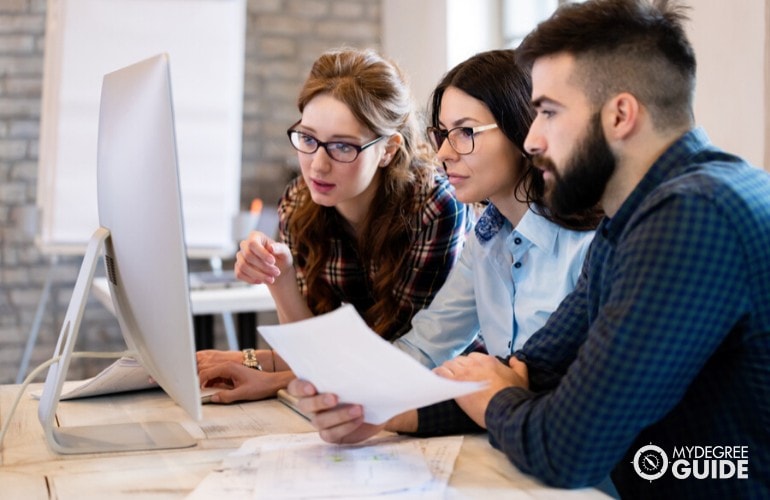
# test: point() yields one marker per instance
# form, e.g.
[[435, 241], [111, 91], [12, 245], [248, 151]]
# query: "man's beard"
[[585, 177]]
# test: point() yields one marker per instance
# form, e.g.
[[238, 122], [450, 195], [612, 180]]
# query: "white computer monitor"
[[141, 237]]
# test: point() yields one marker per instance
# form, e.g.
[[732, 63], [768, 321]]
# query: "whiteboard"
[[86, 39]]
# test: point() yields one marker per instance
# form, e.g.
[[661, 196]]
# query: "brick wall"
[[283, 37]]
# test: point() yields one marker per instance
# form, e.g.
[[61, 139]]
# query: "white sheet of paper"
[[124, 375], [295, 465], [303, 466], [340, 354]]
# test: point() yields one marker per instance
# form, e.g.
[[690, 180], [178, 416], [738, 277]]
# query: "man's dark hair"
[[634, 46]]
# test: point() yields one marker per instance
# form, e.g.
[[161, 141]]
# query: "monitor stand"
[[95, 438]]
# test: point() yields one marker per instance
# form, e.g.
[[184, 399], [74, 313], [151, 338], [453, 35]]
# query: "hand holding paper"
[[340, 354]]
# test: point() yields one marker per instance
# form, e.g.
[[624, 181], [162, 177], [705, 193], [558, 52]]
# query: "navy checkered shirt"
[[665, 340]]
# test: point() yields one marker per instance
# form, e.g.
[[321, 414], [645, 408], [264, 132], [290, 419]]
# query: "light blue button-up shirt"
[[505, 285]]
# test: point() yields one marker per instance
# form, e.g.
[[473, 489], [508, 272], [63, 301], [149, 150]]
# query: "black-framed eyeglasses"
[[340, 151], [460, 138]]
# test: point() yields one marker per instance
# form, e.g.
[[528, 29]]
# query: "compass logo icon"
[[650, 462]]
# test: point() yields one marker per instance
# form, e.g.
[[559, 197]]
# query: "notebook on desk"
[[290, 401]]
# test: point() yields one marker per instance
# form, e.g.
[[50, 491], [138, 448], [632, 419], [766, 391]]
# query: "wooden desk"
[[30, 471]]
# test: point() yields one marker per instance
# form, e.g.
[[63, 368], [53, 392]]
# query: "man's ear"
[[620, 116]]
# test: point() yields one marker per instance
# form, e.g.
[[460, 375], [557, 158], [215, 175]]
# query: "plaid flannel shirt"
[[438, 235]]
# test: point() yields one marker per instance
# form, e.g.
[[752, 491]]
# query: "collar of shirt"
[[664, 167], [489, 224], [538, 230], [532, 226]]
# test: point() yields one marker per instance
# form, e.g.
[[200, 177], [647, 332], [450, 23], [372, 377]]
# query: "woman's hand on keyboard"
[[241, 383], [211, 357]]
